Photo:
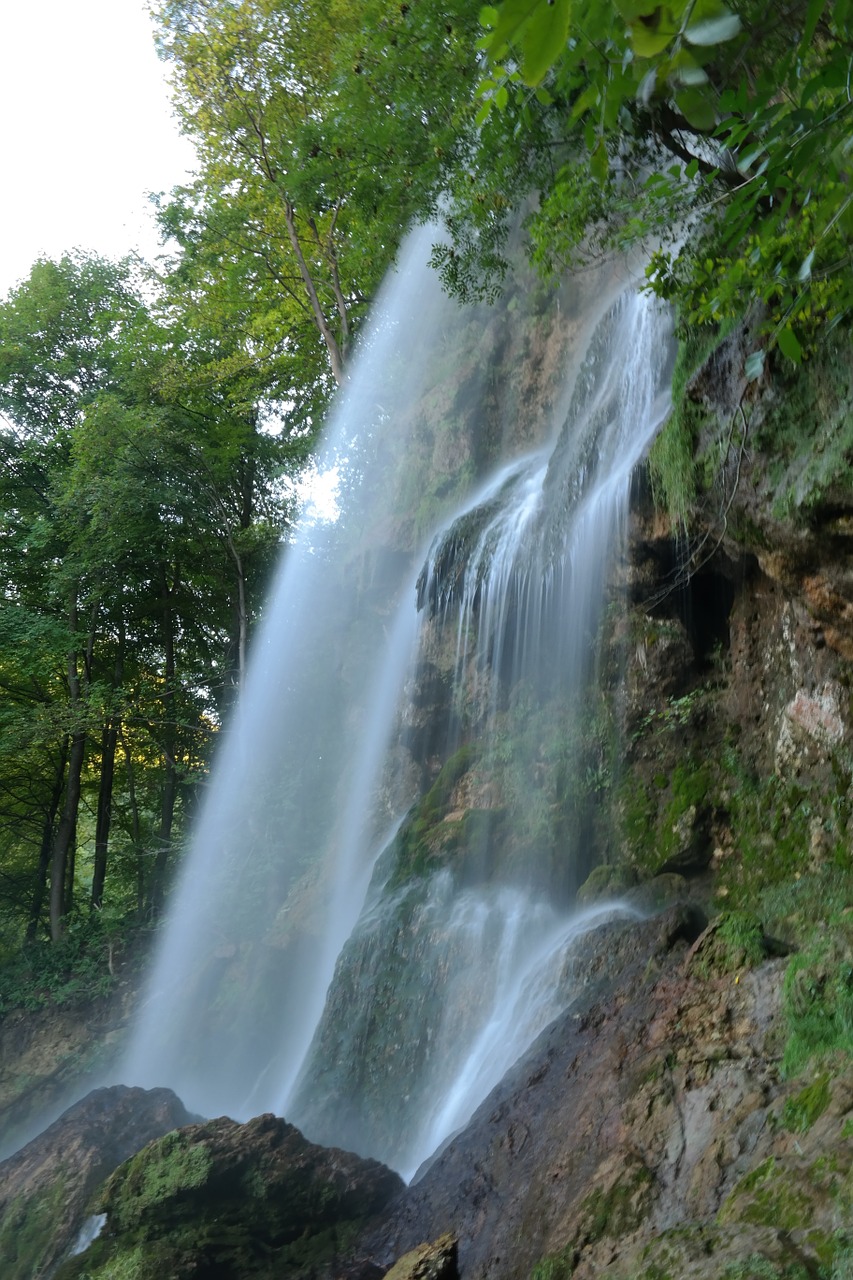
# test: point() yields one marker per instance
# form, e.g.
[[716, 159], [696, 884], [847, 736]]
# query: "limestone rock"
[[436, 1261], [646, 1133], [233, 1200], [46, 1188]]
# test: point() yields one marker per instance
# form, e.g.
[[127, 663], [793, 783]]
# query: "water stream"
[[368, 968]]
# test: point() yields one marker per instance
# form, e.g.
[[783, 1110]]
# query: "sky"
[[87, 131]]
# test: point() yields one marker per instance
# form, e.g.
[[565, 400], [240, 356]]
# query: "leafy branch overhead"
[[724, 132]]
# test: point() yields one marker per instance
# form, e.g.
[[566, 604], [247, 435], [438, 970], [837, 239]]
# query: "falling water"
[[449, 977], [329, 955]]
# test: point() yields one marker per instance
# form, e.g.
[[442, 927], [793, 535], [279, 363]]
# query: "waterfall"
[[377, 913]]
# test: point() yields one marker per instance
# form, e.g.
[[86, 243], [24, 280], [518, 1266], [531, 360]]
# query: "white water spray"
[[382, 1026]]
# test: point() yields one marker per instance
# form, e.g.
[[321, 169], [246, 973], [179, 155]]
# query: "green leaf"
[[715, 30], [483, 113], [789, 345], [632, 9], [599, 163], [649, 40], [692, 75], [647, 86], [754, 366], [544, 39], [697, 108], [488, 16], [512, 17], [585, 100], [813, 12]]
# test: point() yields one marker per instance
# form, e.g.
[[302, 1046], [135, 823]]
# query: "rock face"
[[436, 1261], [233, 1200], [648, 1135], [49, 1057], [46, 1188], [690, 1117]]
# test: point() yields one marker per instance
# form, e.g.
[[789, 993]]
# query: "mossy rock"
[[658, 893], [606, 882], [734, 941], [430, 835], [436, 1261], [802, 1110], [232, 1200], [27, 1230]]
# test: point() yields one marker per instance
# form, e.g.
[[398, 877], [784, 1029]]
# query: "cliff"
[[690, 1114]]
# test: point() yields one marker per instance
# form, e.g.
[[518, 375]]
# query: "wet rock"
[[46, 1188], [812, 723], [606, 882], [648, 1132], [436, 1261], [52, 1056], [660, 892], [233, 1200], [693, 845]]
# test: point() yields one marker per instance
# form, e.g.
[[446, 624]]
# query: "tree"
[[723, 132], [140, 512], [325, 129], [59, 343]]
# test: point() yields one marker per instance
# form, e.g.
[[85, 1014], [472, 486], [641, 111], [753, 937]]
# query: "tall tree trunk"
[[65, 834], [336, 359], [47, 845], [103, 822], [170, 778], [135, 826], [61, 861]]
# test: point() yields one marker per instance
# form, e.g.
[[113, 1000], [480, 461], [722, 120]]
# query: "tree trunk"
[[170, 779], [336, 359], [65, 834], [47, 845], [103, 823], [67, 828], [135, 827]]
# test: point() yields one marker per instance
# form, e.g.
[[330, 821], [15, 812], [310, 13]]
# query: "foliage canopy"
[[723, 133]]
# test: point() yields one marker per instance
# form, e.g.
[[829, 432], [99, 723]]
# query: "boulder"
[[46, 1188], [233, 1200]]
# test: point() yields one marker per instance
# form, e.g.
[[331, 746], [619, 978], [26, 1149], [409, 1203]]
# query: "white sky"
[[87, 131]]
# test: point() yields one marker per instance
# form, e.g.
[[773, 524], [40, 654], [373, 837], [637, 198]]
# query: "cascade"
[[378, 915]]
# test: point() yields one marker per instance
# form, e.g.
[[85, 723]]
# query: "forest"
[[158, 422]]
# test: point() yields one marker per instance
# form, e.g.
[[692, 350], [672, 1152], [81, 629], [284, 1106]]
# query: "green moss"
[[419, 842], [638, 814], [161, 1171], [757, 1267], [736, 943], [555, 1266], [773, 820], [606, 882], [672, 462], [27, 1230], [768, 1196], [689, 786], [618, 1209], [818, 998], [807, 430], [800, 1112]]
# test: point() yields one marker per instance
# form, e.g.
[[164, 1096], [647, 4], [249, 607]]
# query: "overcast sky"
[[87, 131]]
